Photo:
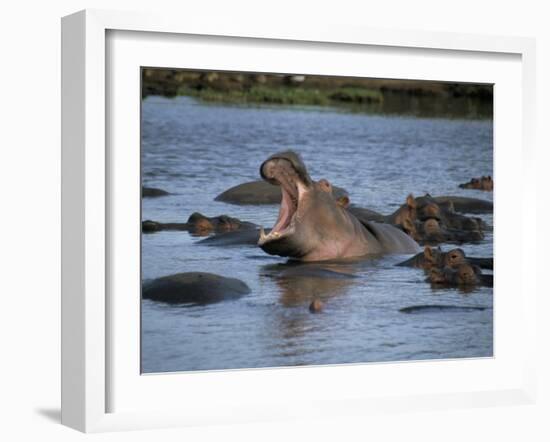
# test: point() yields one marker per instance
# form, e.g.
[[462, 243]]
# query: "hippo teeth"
[[263, 236], [273, 235]]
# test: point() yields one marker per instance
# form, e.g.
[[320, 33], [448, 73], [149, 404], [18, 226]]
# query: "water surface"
[[195, 151]]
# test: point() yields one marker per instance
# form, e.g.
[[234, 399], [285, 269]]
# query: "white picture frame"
[[87, 356]]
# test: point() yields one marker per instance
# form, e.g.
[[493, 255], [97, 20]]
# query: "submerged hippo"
[[194, 288], [421, 209], [242, 237], [313, 226], [464, 274], [444, 211], [464, 204], [438, 308], [483, 183], [200, 225], [301, 283], [260, 192], [152, 192], [435, 257], [432, 232]]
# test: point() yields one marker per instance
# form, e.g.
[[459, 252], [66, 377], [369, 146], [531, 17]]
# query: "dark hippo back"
[[391, 239], [194, 288], [261, 192]]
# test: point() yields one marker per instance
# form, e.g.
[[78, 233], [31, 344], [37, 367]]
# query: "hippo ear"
[[408, 226], [343, 202], [428, 253], [325, 185], [195, 217], [411, 202]]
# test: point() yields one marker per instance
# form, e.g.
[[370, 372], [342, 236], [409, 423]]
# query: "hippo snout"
[[269, 167]]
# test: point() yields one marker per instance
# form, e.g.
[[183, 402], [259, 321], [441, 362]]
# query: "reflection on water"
[[195, 151], [302, 283]]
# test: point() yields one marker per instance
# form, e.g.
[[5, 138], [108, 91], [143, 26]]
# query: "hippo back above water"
[[313, 226], [260, 192]]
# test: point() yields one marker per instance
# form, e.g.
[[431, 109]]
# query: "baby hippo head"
[[200, 224], [429, 230], [427, 207], [453, 258], [432, 257], [467, 274], [437, 276], [225, 223], [435, 257], [431, 227]]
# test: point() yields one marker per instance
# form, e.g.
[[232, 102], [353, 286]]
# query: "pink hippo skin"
[[313, 226]]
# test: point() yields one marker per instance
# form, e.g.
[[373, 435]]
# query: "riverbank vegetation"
[[473, 100]]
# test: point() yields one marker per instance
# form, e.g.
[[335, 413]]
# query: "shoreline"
[[381, 96]]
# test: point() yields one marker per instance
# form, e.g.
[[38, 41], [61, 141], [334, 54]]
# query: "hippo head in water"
[[312, 225], [201, 225]]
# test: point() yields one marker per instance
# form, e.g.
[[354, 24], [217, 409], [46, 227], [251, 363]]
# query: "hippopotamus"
[[464, 204], [194, 288], [435, 257], [200, 225], [444, 211], [242, 237], [152, 192], [426, 207], [431, 231], [406, 211], [464, 274], [437, 308], [260, 192], [483, 183], [364, 214], [421, 209], [313, 226]]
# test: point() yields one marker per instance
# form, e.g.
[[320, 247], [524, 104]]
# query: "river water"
[[196, 150]]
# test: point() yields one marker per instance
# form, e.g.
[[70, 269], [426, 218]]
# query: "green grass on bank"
[[388, 96], [287, 95]]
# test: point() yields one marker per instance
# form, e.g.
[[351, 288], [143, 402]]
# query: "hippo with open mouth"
[[313, 226]]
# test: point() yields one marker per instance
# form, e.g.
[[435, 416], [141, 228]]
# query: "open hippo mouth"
[[287, 170], [314, 226]]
